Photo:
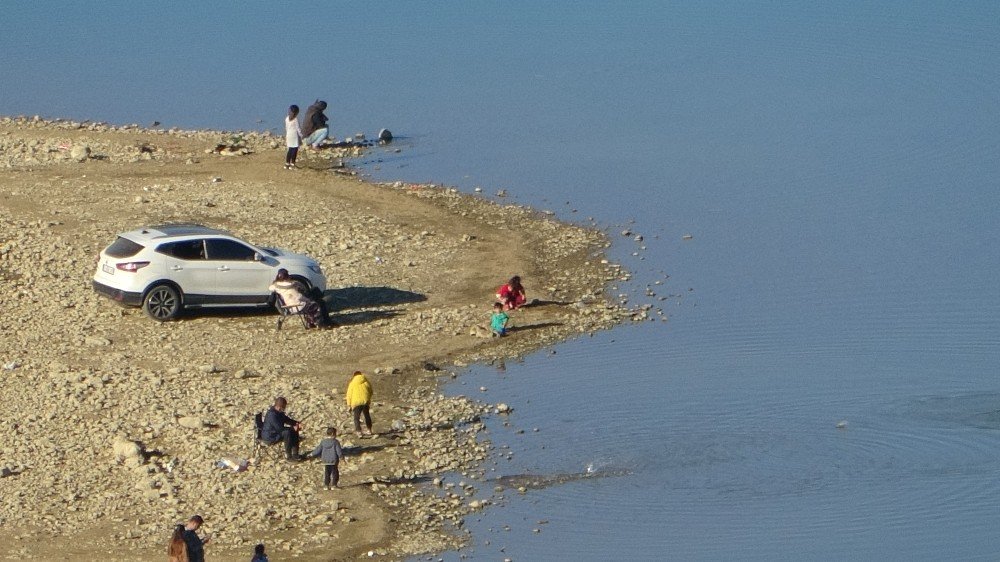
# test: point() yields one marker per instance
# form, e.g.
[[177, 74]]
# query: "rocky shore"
[[114, 424]]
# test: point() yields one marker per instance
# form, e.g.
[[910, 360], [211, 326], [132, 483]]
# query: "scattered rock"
[[125, 449], [191, 422], [80, 152]]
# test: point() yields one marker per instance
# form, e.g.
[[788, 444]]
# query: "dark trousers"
[[317, 313], [357, 411], [293, 152], [331, 475], [291, 439], [314, 315]]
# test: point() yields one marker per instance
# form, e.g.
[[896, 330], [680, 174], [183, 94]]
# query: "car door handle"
[[177, 267], [223, 268]]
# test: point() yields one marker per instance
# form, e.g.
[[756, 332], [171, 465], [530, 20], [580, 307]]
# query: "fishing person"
[[279, 427]]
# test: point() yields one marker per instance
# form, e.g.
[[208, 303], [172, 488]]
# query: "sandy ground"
[[411, 272]]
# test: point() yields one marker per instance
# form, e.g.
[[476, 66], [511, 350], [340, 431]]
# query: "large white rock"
[[80, 152], [191, 422], [125, 449]]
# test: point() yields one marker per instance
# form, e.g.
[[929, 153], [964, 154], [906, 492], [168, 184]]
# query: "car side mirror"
[[257, 256]]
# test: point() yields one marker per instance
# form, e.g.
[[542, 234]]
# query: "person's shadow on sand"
[[368, 297], [536, 326], [339, 300]]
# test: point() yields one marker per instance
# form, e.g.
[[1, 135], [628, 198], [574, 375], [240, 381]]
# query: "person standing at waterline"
[[293, 136]]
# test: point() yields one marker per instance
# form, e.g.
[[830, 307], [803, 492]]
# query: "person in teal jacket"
[[499, 320]]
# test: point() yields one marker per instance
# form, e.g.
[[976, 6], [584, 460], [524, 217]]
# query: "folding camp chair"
[[284, 311]]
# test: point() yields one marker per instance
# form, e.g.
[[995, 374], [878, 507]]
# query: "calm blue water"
[[836, 165]]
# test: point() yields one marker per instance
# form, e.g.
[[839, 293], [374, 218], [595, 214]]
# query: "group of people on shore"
[[186, 545], [510, 296], [279, 427], [312, 305], [311, 132]]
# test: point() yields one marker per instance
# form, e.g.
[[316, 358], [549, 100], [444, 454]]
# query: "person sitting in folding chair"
[[279, 427], [293, 293]]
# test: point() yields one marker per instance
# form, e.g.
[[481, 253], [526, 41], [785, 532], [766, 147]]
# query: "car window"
[[184, 250], [228, 250], [123, 248]]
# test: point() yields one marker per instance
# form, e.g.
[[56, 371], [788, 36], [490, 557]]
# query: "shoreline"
[[118, 374]]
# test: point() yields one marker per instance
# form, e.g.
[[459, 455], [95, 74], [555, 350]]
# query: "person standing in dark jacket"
[[279, 427], [314, 127], [195, 544]]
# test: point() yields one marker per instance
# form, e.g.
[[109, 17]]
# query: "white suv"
[[168, 268]]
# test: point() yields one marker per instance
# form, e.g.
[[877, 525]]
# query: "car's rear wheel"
[[162, 303]]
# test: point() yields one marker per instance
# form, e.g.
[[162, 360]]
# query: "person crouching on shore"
[[511, 294]]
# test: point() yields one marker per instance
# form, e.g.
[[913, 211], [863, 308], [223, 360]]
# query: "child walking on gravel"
[[293, 136], [330, 452]]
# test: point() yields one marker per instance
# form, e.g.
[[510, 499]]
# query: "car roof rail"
[[183, 229]]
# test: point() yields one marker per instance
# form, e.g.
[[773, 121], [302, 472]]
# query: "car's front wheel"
[[162, 303]]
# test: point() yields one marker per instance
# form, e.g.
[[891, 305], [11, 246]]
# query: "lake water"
[[835, 165]]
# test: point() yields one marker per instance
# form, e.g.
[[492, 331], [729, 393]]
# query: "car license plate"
[[108, 269]]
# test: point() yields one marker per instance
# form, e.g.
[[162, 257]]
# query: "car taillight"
[[131, 265]]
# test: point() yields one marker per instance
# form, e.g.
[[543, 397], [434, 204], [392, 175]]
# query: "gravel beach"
[[114, 424]]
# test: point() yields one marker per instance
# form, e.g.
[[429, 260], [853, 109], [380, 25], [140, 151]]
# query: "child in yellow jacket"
[[359, 399]]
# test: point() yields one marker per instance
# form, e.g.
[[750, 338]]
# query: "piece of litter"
[[233, 463]]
